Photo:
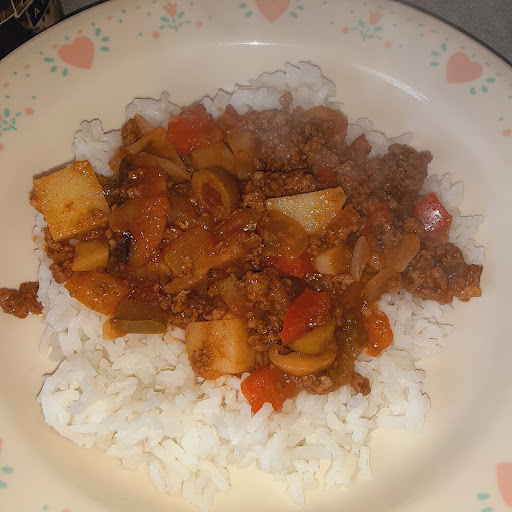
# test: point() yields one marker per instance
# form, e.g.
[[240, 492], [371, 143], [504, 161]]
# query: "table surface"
[[489, 21]]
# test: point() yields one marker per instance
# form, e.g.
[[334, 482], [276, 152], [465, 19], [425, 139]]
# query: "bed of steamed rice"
[[137, 398]]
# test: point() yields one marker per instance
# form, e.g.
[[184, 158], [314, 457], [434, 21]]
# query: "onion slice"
[[407, 250], [376, 285], [360, 258]]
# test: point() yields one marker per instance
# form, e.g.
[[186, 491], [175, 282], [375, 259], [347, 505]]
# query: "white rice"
[[137, 398]]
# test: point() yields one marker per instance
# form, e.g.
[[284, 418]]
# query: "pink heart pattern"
[[461, 69], [374, 17], [272, 9], [79, 54]]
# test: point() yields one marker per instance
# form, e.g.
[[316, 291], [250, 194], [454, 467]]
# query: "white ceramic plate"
[[392, 64]]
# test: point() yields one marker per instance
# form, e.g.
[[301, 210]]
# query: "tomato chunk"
[[192, 128], [433, 215], [267, 384], [297, 267], [378, 332], [308, 310]]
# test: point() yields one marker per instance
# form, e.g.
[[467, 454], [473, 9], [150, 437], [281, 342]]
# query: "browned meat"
[[347, 222], [21, 302], [441, 274], [407, 170], [322, 384], [316, 384], [350, 177], [280, 141], [361, 384], [295, 140], [275, 184], [58, 252], [400, 173]]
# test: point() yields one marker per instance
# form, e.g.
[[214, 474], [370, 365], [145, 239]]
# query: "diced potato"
[[218, 347], [91, 255], [72, 201], [334, 260], [314, 210], [100, 291]]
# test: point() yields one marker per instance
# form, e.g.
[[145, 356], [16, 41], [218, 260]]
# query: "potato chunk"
[[334, 260], [314, 210], [218, 347], [72, 201]]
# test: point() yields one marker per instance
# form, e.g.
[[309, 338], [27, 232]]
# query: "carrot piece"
[[378, 332], [267, 384]]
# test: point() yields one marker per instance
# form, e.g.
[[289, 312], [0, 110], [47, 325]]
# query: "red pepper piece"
[[433, 215], [309, 309], [297, 267]]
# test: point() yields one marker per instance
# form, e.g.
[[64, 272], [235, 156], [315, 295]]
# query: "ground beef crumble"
[[21, 302]]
